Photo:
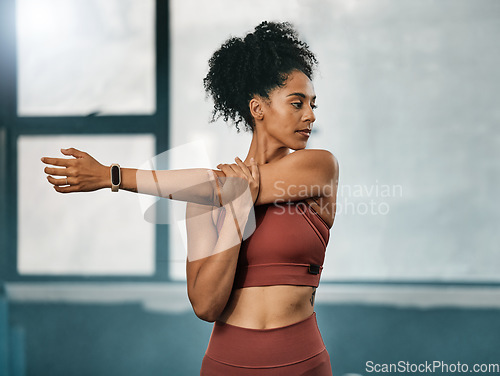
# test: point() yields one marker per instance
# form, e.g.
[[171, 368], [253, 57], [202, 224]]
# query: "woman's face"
[[289, 113]]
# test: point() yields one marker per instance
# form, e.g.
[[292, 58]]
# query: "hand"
[[251, 178], [80, 174]]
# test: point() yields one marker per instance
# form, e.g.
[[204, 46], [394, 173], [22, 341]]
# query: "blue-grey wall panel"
[[74, 340]]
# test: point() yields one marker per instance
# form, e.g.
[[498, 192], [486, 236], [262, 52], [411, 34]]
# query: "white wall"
[[406, 94]]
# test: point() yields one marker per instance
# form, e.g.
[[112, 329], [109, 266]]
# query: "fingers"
[[65, 162], [228, 170], [66, 189], [57, 161], [255, 170], [64, 181], [63, 185], [243, 167], [239, 169], [69, 181], [74, 152], [56, 171]]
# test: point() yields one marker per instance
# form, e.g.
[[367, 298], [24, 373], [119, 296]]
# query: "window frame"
[[13, 126]]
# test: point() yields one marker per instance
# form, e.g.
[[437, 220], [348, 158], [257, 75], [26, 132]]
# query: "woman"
[[254, 276]]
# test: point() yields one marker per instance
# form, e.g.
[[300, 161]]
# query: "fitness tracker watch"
[[116, 177]]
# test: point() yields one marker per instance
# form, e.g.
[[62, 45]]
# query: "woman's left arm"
[[83, 173]]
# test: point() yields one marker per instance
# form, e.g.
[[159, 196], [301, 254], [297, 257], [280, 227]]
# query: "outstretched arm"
[[84, 174], [299, 175]]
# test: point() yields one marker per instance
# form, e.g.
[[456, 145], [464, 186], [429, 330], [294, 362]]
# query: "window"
[[81, 74], [85, 57], [94, 233]]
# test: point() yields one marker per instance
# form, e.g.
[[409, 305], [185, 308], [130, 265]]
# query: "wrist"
[[105, 177]]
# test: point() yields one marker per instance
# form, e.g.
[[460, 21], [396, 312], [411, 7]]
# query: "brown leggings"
[[291, 350]]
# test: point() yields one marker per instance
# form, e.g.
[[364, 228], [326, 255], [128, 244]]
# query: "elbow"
[[208, 315], [206, 310], [207, 306]]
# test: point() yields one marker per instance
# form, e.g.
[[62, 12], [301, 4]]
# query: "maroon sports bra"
[[287, 247]]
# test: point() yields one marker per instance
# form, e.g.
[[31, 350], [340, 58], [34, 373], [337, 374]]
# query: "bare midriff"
[[266, 307]]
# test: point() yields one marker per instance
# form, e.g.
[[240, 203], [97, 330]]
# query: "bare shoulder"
[[319, 158], [327, 165], [314, 154], [302, 172]]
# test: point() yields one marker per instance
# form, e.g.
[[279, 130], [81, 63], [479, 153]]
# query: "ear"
[[256, 108]]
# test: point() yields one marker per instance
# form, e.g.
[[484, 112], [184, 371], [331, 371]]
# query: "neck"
[[265, 149]]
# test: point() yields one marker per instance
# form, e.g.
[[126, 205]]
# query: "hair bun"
[[254, 65]]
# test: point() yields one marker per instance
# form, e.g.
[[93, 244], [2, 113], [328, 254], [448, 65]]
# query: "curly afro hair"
[[254, 65]]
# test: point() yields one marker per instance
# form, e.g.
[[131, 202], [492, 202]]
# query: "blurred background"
[[407, 102]]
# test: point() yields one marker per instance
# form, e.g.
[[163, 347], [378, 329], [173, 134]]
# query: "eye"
[[313, 106], [297, 104]]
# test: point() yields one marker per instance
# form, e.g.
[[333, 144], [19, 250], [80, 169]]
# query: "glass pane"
[[78, 57], [95, 233]]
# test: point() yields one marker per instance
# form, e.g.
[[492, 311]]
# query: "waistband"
[[262, 348]]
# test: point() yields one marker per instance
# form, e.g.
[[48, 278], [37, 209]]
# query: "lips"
[[304, 132]]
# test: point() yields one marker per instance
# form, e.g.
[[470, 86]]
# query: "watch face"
[[115, 175]]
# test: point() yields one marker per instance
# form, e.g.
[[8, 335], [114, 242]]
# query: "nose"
[[309, 114]]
